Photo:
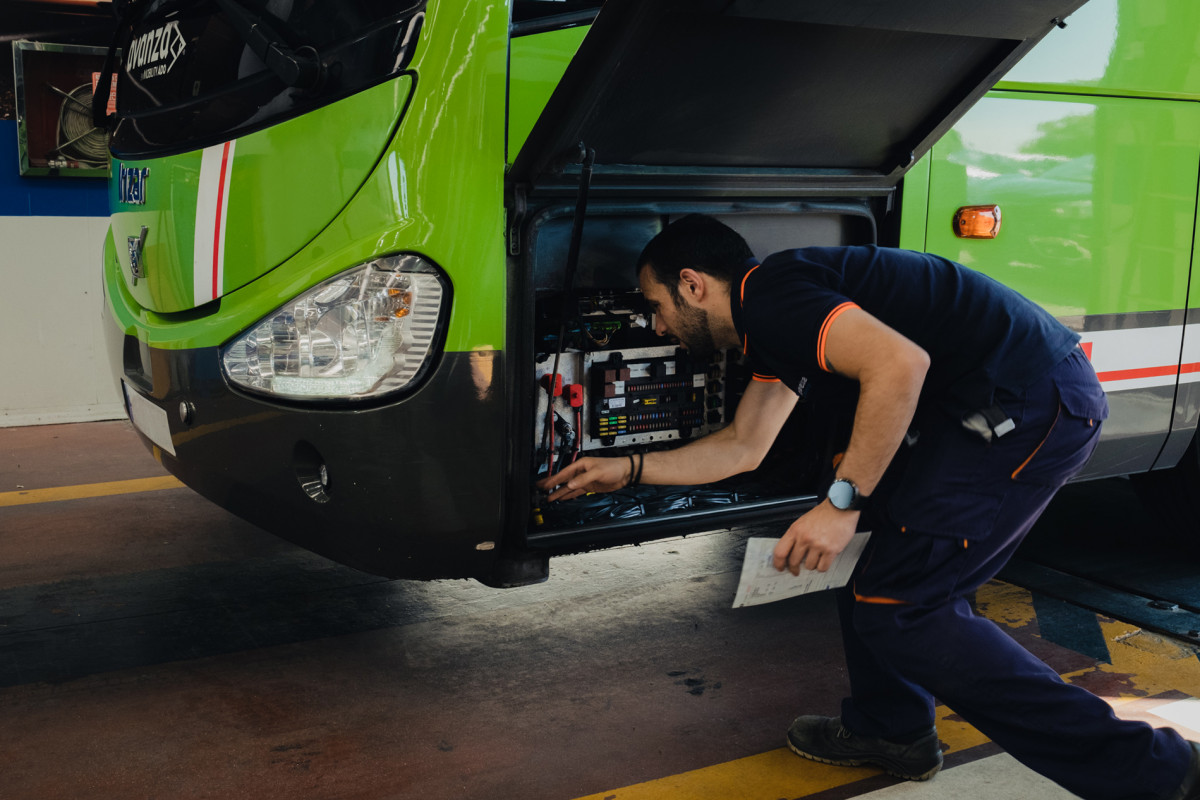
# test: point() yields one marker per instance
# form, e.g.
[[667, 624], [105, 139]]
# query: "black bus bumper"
[[410, 489]]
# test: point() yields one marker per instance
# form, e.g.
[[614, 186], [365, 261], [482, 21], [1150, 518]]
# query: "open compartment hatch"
[[841, 96]]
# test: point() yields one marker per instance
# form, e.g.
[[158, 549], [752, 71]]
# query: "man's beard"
[[693, 331]]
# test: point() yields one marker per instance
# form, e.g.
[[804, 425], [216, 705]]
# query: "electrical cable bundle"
[[648, 501]]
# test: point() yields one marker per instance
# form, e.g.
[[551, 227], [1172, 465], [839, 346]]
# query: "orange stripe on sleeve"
[[764, 378], [833, 315], [742, 301], [742, 297]]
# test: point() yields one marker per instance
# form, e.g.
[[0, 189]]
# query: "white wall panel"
[[53, 367]]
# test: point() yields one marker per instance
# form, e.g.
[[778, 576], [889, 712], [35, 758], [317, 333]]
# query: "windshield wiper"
[[124, 10], [300, 68]]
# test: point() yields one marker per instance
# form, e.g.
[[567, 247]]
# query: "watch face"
[[842, 494]]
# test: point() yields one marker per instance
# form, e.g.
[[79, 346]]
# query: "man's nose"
[[659, 326]]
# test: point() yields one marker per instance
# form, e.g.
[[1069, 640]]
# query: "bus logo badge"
[[157, 51], [136, 244], [131, 185]]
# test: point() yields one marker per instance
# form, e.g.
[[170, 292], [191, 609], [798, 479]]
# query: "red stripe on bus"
[[1147, 372], [217, 226]]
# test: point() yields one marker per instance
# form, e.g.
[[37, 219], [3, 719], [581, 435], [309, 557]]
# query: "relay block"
[[626, 398], [638, 392], [613, 383]]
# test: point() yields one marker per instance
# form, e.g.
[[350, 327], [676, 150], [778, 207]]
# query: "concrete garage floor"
[[153, 646]]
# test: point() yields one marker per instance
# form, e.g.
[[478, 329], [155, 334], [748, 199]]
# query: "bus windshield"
[[198, 72]]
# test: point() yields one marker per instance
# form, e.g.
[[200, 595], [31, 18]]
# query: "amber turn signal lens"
[[977, 222]]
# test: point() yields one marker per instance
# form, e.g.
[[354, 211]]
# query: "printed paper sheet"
[[761, 583]]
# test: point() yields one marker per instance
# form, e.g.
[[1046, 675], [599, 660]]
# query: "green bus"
[[369, 271]]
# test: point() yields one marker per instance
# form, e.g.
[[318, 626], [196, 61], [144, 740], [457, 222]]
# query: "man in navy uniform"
[[974, 406]]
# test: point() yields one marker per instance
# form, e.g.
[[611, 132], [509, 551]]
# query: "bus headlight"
[[364, 333]]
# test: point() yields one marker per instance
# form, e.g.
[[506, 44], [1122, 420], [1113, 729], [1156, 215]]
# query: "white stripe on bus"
[[1143, 358], [212, 206]]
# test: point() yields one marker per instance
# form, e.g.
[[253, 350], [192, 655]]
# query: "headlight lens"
[[361, 334]]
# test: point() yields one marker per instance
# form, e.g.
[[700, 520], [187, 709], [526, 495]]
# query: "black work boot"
[[824, 739], [1190, 788]]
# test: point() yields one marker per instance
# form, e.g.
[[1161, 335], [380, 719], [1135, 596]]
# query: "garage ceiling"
[[80, 21]]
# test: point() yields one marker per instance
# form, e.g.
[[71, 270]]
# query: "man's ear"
[[692, 284]]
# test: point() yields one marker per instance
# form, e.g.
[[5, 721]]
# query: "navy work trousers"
[[947, 516]]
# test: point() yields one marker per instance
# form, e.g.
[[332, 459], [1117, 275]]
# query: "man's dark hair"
[[697, 241]]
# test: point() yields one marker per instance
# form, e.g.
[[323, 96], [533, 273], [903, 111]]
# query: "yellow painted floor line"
[[57, 493], [775, 774]]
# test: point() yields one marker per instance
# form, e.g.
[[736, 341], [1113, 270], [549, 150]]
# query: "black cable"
[[578, 434], [581, 200]]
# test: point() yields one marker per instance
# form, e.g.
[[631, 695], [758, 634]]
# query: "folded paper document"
[[762, 583]]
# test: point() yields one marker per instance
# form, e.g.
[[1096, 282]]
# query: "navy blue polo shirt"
[[979, 334]]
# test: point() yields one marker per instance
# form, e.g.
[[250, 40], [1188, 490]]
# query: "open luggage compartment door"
[[842, 95]]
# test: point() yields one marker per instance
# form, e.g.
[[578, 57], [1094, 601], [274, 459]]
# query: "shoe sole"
[[895, 773]]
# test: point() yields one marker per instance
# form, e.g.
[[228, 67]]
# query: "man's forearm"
[[739, 447], [886, 403], [711, 458], [736, 448]]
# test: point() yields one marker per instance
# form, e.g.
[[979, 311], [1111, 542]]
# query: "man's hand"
[[587, 475], [814, 540]]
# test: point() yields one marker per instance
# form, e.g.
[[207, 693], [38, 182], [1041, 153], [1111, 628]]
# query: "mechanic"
[[974, 406]]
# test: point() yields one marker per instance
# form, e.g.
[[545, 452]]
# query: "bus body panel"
[[218, 218], [1137, 48], [437, 190], [1186, 421], [537, 63]]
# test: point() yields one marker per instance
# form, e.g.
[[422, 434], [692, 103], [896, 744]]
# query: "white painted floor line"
[[1184, 712], [999, 777]]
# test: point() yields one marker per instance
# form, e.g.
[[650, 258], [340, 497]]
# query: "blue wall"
[[44, 197]]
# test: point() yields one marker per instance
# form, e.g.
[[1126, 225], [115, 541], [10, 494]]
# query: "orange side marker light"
[[977, 222]]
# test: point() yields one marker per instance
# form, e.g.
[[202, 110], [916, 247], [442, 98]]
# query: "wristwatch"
[[844, 495]]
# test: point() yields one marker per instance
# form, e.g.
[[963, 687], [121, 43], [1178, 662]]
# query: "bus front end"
[[304, 274]]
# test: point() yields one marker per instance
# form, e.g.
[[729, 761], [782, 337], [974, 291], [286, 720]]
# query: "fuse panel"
[[626, 398], [613, 383], [639, 393]]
